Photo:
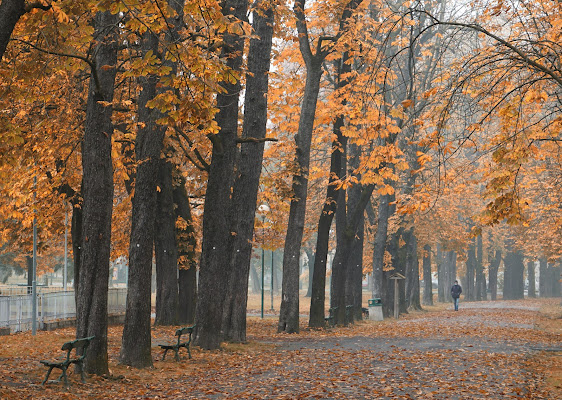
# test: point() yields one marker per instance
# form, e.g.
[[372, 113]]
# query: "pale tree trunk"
[[214, 268], [91, 307], [412, 273], [246, 186], [470, 272], [543, 287], [385, 210], [531, 277]]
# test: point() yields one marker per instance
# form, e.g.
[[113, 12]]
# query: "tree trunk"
[[493, 275], [136, 343], [186, 243], [385, 210], [249, 169], [412, 273], [10, 13], [480, 277], [427, 284], [440, 275], [513, 276], [166, 249], [543, 285], [310, 264], [450, 273], [91, 307], [214, 268], [531, 278], [289, 313], [469, 288]]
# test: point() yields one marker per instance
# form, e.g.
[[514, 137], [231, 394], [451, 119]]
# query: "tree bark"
[[440, 259], [531, 292], [136, 343], [91, 308], [166, 249], [493, 275], [427, 284], [385, 210], [10, 13], [311, 260], [186, 243], [513, 275], [479, 272], [469, 290], [214, 268], [246, 186], [289, 312], [412, 272], [543, 286]]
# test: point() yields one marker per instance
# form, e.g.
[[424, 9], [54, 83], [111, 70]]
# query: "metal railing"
[[16, 309]]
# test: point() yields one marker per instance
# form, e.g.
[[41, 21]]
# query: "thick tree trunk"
[[543, 279], [136, 343], [427, 284], [186, 243], [513, 276], [91, 307], [246, 186], [166, 249], [214, 269], [493, 275], [289, 313], [531, 292]]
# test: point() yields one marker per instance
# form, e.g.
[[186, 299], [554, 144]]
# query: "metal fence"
[[16, 309]]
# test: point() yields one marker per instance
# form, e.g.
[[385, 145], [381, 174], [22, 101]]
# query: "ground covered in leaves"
[[487, 350]]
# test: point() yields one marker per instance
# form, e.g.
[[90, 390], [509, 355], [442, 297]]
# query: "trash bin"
[[375, 310]]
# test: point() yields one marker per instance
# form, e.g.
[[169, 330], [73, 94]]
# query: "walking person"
[[456, 291]]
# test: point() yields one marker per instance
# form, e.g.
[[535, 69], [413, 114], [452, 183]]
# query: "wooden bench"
[[66, 362], [188, 330]]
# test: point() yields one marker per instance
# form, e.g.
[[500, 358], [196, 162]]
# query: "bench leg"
[[47, 377], [177, 354], [164, 356], [63, 375], [188, 352]]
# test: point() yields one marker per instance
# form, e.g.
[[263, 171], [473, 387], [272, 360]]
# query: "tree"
[[427, 284], [97, 188], [245, 190], [217, 217]]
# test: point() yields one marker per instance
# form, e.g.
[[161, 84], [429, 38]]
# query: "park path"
[[481, 352], [487, 350]]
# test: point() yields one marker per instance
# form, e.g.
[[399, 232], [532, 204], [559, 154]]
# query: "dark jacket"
[[456, 291]]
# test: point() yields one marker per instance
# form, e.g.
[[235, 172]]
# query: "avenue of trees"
[[377, 137]]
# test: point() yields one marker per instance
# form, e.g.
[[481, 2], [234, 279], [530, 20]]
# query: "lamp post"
[[263, 208]]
